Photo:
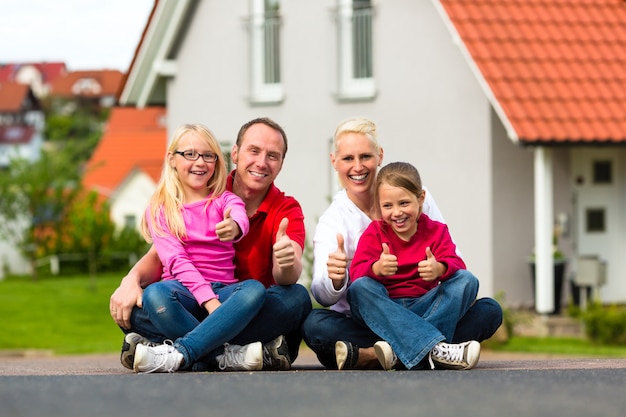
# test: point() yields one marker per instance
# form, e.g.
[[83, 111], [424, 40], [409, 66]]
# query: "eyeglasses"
[[193, 156]]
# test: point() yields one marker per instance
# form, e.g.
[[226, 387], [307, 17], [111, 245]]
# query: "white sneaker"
[[385, 355], [131, 340], [159, 358], [241, 358], [455, 356]]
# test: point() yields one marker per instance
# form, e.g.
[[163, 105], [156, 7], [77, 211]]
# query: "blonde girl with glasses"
[[193, 221]]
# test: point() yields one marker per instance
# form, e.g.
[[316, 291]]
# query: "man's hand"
[[283, 249], [124, 298], [337, 264]]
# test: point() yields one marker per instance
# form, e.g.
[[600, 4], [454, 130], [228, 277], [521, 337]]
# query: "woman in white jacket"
[[339, 341]]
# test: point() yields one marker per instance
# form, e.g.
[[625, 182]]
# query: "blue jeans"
[[281, 313], [322, 328], [173, 313], [413, 326]]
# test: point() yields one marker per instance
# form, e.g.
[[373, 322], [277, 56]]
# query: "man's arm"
[[129, 294]]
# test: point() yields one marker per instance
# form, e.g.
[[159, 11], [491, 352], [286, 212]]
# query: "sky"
[[84, 34]]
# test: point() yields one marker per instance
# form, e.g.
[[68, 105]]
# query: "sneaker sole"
[[140, 352], [127, 357], [341, 354], [380, 354]]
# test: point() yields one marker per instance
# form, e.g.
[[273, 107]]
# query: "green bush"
[[605, 324]]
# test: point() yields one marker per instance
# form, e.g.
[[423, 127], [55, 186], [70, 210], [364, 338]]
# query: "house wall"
[[429, 109], [132, 198]]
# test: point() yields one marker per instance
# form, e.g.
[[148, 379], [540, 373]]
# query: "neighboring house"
[[98, 87], [127, 163], [514, 112], [39, 75], [21, 123]]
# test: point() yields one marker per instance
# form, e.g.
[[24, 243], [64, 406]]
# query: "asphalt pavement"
[[501, 384]]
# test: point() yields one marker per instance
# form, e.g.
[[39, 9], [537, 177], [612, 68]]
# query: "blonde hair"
[[169, 197], [357, 125]]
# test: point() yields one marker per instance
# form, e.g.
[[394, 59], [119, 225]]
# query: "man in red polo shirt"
[[271, 252]]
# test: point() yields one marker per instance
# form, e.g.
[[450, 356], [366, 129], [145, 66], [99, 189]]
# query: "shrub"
[[605, 324]]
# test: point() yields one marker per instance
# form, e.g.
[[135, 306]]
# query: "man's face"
[[259, 158]]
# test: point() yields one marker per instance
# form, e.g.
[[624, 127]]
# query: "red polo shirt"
[[253, 253]]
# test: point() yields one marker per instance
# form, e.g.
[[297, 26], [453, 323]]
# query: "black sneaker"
[[346, 355], [276, 355], [131, 340]]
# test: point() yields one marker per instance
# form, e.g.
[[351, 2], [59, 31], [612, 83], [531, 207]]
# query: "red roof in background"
[[12, 96], [133, 138], [557, 68], [108, 80], [49, 71]]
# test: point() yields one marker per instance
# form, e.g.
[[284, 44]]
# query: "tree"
[[34, 197]]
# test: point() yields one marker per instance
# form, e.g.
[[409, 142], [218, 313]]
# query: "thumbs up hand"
[[228, 229], [337, 263], [284, 253], [387, 264], [429, 269]]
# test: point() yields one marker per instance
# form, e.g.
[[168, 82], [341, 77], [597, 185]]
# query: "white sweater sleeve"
[[324, 243]]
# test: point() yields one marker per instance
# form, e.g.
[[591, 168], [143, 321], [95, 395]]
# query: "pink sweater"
[[202, 258]]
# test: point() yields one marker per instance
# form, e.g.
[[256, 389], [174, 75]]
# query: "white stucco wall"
[[430, 111]]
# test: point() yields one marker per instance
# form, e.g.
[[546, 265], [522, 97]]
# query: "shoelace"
[[233, 355], [450, 353], [161, 356]]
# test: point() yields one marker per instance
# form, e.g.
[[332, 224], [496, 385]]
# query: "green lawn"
[[71, 316], [65, 315]]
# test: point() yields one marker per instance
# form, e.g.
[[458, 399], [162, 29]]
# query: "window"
[[356, 73], [602, 172], [130, 221], [596, 220], [265, 74]]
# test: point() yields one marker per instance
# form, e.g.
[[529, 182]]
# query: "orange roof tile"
[[12, 96], [109, 82], [556, 67], [133, 138]]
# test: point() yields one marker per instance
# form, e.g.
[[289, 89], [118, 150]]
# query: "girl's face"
[[194, 175], [400, 209], [356, 161]]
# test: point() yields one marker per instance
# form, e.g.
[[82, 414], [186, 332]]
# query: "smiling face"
[[194, 175], [259, 158], [356, 161], [400, 209]]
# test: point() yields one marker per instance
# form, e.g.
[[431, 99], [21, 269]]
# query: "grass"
[[67, 315], [558, 346], [70, 315]]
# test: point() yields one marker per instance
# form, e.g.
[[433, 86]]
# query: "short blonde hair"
[[357, 125]]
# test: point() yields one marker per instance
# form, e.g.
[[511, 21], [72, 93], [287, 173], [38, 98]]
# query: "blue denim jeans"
[[281, 313], [413, 326], [171, 312], [322, 328]]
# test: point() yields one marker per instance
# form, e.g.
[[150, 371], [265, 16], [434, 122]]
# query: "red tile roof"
[[109, 82], [133, 138], [557, 68], [49, 71], [12, 96]]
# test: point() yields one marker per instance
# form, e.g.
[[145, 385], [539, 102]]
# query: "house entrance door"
[[599, 209]]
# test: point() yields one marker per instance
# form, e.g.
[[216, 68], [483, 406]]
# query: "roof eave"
[[151, 58], [484, 85]]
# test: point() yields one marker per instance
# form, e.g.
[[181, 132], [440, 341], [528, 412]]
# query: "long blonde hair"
[[169, 197]]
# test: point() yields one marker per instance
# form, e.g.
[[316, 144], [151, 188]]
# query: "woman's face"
[[356, 161]]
